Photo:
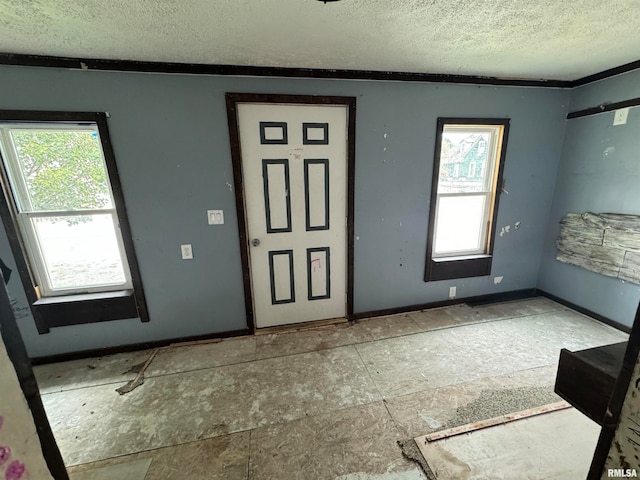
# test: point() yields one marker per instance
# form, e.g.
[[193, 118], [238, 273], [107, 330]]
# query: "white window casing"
[[29, 217]]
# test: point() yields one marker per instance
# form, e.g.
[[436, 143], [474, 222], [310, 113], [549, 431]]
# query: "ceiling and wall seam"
[[85, 64], [502, 39]]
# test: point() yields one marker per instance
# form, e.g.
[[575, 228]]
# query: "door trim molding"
[[232, 100]]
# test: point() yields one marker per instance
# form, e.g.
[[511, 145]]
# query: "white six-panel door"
[[294, 165]]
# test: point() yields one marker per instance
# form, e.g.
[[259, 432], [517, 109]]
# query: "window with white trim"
[[461, 223], [65, 208]]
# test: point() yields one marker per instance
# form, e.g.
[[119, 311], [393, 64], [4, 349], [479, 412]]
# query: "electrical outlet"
[[452, 292], [620, 117], [187, 251], [215, 217]]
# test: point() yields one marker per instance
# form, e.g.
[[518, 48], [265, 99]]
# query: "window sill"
[[460, 258], [82, 297], [449, 268], [68, 310]]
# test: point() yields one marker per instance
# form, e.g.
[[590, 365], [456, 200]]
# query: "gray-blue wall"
[[170, 138], [599, 172]]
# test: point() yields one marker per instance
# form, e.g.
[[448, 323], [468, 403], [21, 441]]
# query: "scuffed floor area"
[[327, 403]]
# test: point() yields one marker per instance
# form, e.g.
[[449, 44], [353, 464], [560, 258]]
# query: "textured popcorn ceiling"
[[550, 39]]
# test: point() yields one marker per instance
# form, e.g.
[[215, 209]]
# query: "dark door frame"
[[233, 99]]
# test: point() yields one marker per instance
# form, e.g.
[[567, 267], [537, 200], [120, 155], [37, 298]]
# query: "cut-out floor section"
[[553, 446]]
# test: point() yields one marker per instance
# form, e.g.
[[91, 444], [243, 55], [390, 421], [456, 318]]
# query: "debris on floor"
[[139, 379], [137, 368], [492, 422], [497, 402], [196, 342], [411, 451]]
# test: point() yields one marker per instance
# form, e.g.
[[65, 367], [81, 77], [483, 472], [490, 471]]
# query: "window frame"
[[73, 309], [26, 212], [465, 264]]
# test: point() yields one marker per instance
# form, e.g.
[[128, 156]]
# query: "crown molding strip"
[[254, 71], [611, 72]]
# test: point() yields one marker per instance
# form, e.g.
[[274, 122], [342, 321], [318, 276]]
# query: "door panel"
[[316, 193], [281, 279], [277, 201], [294, 166]]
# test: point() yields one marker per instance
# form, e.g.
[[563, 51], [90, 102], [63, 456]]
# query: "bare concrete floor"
[[328, 403]]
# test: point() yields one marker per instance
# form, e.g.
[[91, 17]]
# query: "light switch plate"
[[215, 217], [187, 251], [620, 117], [452, 292]]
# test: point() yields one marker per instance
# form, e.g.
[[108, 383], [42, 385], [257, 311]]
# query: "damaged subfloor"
[[327, 403]]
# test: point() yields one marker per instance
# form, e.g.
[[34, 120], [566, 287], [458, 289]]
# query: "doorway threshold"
[[295, 327]]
